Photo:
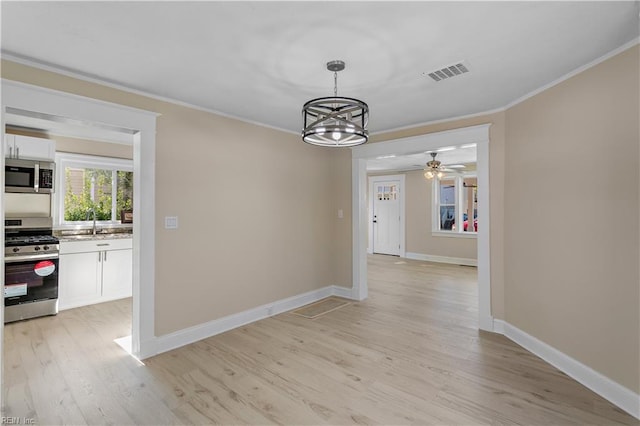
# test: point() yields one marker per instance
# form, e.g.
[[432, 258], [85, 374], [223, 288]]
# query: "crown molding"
[[92, 79], [523, 98], [575, 72], [441, 120]]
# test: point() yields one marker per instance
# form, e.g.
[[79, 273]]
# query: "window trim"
[[64, 160], [435, 206]]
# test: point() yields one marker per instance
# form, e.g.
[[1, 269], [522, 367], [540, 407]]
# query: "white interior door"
[[386, 217]]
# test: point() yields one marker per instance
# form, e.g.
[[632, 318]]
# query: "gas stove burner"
[[30, 240]]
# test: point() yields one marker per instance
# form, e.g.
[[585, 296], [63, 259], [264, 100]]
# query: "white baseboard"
[[202, 331], [442, 259], [617, 394], [345, 292], [498, 326], [612, 391]]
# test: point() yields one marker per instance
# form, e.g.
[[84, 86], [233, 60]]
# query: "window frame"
[[459, 232], [64, 160]]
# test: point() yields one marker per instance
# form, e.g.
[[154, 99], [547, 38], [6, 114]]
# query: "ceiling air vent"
[[448, 72]]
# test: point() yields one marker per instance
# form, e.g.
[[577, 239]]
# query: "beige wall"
[[258, 218], [564, 252], [340, 170], [571, 218], [418, 223], [496, 194], [419, 238]]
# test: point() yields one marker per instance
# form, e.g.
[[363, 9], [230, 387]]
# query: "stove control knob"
[[16, 249], [46, 248], [37, 248]]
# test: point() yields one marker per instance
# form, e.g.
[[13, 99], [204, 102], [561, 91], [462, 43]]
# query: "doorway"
[[72, 110], [478, 135], [386, 215]]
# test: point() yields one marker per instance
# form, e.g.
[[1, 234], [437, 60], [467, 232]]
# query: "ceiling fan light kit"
[[434, 168], [335, 121]]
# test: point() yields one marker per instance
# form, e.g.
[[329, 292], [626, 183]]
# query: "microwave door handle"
[[36, 177]]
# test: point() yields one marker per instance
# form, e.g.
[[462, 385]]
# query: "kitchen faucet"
[[89, 212]]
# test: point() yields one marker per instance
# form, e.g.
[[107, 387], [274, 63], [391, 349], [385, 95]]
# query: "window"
[[93, 185], [447, 204], [455, 201]]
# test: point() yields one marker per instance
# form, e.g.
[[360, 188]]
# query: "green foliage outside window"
[[91, 189], [124, 198]]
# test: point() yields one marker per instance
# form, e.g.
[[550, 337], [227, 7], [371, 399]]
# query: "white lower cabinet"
[[94, 271], [117, 274], [79, 280]]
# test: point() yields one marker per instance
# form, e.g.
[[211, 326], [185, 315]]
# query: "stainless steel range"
[[31, 268]]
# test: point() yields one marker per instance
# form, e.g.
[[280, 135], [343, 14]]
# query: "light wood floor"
[[410, 354]]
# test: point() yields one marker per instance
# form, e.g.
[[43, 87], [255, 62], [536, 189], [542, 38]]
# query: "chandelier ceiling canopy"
[[335, 121]]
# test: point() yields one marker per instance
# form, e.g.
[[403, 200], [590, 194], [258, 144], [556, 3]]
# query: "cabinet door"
[[9, 145], [79, 279], [36, 148], [117, 274]]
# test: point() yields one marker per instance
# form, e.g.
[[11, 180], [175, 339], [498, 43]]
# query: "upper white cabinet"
[[27, 147]]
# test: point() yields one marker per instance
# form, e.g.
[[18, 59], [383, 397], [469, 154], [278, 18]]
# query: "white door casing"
[[141, 126], [386, 218], [474, 134], [386, 215]]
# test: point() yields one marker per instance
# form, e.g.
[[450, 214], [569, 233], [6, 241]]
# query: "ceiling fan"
[[434, 168]]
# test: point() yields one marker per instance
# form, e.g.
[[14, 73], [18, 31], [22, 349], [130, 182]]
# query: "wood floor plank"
[[52, 398], [96, 403], [409, 354]]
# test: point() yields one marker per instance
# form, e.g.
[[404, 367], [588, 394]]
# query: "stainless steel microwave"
[[28, 176]]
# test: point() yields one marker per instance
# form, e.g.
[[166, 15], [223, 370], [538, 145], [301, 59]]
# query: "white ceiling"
[[260, 61]]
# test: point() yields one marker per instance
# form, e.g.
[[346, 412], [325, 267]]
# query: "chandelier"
[[335, 121], [434, 168]]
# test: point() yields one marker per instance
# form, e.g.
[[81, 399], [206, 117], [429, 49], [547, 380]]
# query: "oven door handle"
[[27, 257]]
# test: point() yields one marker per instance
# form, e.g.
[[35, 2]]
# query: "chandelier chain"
[[335, 83]]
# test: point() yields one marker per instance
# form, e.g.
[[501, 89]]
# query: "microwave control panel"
[[46, 178]]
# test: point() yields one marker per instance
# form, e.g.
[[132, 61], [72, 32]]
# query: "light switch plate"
[[171, 222]]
